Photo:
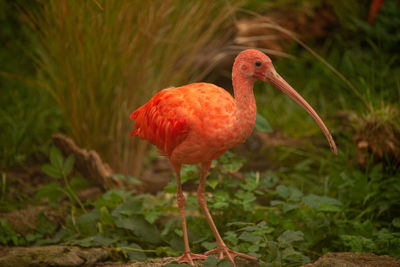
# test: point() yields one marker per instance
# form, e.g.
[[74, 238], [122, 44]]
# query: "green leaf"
[[134, 180], [68, 164], [53, 191], [273, 249], [289, 206], [105, 216], [171, 187], [112, 198], [233, 165], [164, 250], [44, 226], [152, 215], [315, 202], [221, 199], [212, 182], [140, 227], [231, 237], [277, 202], [56, 158], [396, 222], [79, 183], [86, 222], [289, 236], [283, 191], [251, 182], [208, 245], [224, 263], [133, 253], [211, 261], [358, 243], [242, 224], [85, 242], [253, 248], [32, 237], [262, 124], [57, 237], [8, 235], [189, 172], [129, 207], [51, 171], [295, 194], [249, 237], [247, 197], [328, 207], [103, 240], [250, 228]]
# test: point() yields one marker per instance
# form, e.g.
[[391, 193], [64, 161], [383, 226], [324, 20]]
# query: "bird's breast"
[[215, 124]]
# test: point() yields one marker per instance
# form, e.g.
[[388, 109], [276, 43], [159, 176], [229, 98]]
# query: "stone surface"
[[354, 259], [63, 256]]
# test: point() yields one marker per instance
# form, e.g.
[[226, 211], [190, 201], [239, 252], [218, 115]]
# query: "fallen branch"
[[88, 163]]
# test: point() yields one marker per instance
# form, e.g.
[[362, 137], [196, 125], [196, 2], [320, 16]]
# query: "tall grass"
[[102, 59]]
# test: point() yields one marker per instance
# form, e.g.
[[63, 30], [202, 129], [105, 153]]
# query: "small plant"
[[8, 236], [59, 168]]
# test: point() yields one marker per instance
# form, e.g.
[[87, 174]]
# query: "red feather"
[[159, 122]]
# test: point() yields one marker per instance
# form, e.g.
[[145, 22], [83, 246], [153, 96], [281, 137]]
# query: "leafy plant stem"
[[3, 186], [139, 250], [72, 195], [73, 220]]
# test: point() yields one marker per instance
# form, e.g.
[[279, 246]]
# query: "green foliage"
[[277, 217], [123, 221], [60, 168], [28, 116], [262, 124], [8, 236]]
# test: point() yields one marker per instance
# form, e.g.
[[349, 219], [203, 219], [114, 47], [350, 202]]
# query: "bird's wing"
[[161, 121]]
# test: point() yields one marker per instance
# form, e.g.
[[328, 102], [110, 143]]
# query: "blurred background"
[[81, 67]]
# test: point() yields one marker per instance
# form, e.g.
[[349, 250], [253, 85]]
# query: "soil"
[[354, 259]]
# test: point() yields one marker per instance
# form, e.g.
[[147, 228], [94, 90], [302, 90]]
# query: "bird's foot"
[[188, 257], [225, 252]]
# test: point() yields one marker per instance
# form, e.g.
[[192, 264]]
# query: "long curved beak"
[[279, 83]]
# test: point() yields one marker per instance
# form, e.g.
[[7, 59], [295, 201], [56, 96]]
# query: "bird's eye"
[[258, 63]]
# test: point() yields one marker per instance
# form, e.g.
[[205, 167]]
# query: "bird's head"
[[254, 65]]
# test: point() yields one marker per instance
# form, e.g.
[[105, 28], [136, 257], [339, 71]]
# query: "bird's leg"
[[187, 255], [221, 249]]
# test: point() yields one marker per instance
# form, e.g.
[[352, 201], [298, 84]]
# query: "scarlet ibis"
[[196, 123]]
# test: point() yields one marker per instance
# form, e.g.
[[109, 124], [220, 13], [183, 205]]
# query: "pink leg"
[[187, 255], [221, 249]]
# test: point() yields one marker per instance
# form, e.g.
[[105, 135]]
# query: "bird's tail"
[[135, 132], [134, 116]]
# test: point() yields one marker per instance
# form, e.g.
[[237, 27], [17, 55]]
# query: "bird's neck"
[[245, 103]]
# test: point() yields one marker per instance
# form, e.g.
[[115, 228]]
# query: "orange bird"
[[196, 123]]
